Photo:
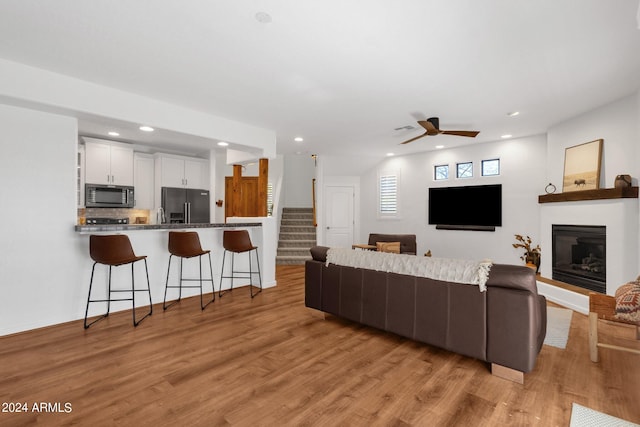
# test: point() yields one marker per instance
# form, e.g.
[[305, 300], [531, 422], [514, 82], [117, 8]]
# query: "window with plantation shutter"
[[388, 195], [269, 199]]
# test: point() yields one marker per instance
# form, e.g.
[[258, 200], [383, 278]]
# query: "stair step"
[[308, 217], [297, 229], [296, 221], [291, 260], [297, 236], [297, 210], [287, 252], [296, 243]]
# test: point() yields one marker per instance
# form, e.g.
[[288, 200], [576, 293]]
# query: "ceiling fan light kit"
[[432, 127]]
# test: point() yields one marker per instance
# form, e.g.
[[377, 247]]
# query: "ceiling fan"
[[432, 127]]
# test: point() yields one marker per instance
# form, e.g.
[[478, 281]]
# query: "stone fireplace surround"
[[619, 216]]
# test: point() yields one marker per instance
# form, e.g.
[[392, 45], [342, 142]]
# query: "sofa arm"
[[319, 253], [516, 327], [513, 277]]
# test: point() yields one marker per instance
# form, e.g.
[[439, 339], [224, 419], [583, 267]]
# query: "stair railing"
[[313, 198]]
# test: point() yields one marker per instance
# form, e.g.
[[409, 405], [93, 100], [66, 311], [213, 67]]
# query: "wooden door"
[[249, 200]]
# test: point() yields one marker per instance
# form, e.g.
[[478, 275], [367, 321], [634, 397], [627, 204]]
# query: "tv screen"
[[476, 205]]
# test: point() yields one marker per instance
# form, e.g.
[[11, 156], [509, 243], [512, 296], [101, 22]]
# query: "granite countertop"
[[134, 227]]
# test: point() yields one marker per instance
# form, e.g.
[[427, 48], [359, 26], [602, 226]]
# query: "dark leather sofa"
[[407, 241], [505, 325]]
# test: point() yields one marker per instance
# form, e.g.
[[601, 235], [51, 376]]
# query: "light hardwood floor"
[[271, 361]]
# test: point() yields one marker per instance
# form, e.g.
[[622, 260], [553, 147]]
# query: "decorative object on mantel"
[[623, 181], [582, 166], [550, 188], [531, 255]]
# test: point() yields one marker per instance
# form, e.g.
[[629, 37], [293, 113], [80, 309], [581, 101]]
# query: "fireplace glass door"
[[580, 256]]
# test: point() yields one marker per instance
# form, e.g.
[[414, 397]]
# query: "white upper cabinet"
[[182, 172], [172, 172], [196, 173], [143, 178], [108, 162]]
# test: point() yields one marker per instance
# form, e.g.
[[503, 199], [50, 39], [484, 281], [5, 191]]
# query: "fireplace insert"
[[579, 256]]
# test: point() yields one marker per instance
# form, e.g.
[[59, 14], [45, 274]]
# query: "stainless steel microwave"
[[108, 196]]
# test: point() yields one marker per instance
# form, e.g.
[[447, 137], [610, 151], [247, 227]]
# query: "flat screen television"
[[472, 207]]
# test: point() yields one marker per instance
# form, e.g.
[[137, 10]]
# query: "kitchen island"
[[152, 240]]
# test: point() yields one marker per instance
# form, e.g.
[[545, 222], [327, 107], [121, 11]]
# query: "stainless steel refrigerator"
[[185, 205]]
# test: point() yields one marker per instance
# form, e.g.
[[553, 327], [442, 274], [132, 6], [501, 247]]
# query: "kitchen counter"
[[151, 240], [95, 228]]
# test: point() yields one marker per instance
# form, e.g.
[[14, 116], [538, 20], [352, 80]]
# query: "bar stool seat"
[[236, 242], [113, 251], [186, 244]]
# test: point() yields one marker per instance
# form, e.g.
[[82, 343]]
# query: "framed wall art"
[[582, 166]]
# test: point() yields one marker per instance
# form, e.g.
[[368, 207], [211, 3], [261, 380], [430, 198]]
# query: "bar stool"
[[115, 250], [238, 241], [186, 244]]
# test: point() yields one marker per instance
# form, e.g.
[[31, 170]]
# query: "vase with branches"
[[531, 254]]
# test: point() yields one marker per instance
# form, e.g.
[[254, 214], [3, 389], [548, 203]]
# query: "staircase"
[[297, 236]]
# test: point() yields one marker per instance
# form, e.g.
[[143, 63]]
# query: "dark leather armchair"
[[407, 241]]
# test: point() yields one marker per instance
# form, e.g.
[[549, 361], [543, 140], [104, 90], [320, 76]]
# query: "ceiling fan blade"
[[428, 125], [469, 133], [417, 137]]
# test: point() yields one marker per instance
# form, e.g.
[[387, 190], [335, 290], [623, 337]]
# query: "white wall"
[[41, 89], [299, 171], [522, 175], [618, 124], [39, 280]]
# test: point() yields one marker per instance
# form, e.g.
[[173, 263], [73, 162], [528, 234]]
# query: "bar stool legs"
[[238, 241], [181, 286], [114, 251], [186, 244]]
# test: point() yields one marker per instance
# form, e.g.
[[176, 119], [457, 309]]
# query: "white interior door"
[[339, 202]]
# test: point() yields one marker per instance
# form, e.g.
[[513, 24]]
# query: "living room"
[[270, 360], [527, 166]]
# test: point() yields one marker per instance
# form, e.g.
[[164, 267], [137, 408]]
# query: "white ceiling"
[[343, 74]]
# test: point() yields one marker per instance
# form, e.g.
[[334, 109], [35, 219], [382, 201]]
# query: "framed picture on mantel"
[[582, 166]]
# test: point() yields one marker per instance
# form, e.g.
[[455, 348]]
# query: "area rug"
[[558, 324], [585, 417]]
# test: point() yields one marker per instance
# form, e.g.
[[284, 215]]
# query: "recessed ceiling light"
[[263, 17], [390, 154], [513, 113], [146, 128], [439, 146], [223, 144], [114, 133], [298, 139], [506, 136]]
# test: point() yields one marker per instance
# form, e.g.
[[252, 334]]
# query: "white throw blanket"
[[448, 270]]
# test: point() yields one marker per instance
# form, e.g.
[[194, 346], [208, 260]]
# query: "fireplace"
[[579, 255]]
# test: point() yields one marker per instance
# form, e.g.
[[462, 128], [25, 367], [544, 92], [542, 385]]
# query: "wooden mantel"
[[604, 193]]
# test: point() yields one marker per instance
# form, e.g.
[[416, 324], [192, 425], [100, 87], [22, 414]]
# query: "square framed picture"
[[582, 166]]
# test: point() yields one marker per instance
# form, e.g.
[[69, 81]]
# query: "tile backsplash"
[[136, 216]]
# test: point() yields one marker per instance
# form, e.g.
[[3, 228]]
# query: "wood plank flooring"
[[271, 361]]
